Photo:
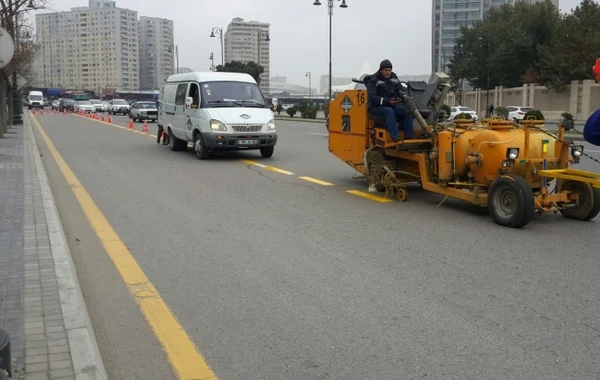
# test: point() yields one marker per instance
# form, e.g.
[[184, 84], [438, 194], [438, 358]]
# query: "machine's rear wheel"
[[588, 205], [511, 201]]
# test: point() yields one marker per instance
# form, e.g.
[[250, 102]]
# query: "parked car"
[[517, 112], [66, 105], [454, 111], [99, 105], [143, 111], [85, 106], [116, 106], [55, 104]]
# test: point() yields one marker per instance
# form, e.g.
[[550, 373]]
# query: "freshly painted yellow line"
[[317, 181], [369, 196], [185, 359], [271, 168]]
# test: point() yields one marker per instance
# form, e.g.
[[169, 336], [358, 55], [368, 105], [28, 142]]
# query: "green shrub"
[[502, 112], [534, 115], [291, 111], [279, 108], [463, 116], [446, 108], [309, 112], [567, 116]]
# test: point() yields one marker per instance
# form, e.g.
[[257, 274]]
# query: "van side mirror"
[[188, 102]]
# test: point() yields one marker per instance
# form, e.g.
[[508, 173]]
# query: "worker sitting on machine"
[[384, 97]]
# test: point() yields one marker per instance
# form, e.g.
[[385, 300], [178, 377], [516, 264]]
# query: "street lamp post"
[[309, 84], [330, 8], [262, 33], [176, 54], [212, 62], [487, 101], [219, 31]]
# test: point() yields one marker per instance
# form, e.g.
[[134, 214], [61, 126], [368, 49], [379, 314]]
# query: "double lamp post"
[[330, 4]]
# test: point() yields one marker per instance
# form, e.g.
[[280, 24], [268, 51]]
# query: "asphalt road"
[[276, 277]]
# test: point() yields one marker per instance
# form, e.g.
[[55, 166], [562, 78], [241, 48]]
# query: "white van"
[[216, 111], [35, 99]]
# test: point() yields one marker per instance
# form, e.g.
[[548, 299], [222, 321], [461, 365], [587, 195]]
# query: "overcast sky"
[[368, 30]]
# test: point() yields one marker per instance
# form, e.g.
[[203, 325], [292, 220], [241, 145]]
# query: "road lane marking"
[[185, 359], [266, 167], [370, 196], [318, 134], [317, 181]]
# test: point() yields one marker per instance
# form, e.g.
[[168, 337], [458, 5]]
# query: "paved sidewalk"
[[41, 305]]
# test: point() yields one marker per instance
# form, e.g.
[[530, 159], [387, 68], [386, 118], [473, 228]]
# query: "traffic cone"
[[145, 129], [41, 111], [33, 111], [109, 118], [130, 123], [64, 112], [103, 118]]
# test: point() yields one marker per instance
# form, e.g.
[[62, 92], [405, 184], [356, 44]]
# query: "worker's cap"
[[385, 64]]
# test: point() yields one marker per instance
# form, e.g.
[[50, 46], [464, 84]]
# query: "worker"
[[384, 91], [591, 131], [161, 131]]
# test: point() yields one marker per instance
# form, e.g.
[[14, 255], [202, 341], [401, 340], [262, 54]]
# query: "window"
[[232, 94], [180, 94], [194, 93]]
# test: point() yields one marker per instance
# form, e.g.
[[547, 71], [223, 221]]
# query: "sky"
[[366, 31]]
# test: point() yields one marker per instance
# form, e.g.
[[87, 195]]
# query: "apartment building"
[[157, 51], [447, 18], [89, 48], [249, 41]]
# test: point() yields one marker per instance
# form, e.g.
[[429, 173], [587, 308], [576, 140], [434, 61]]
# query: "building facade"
[[247, 41], [447, 18], [89, 48], [157, 51]]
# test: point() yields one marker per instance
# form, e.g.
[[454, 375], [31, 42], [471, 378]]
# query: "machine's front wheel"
[[511, 201], [588, 204]]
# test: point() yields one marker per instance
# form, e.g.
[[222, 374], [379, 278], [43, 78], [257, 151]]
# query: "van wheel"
[[199, 148], [175, 144], [267, 152]]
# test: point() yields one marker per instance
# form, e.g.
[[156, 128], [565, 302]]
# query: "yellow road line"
[[369, 196], [271, 168], [317, 181], [185, 359]]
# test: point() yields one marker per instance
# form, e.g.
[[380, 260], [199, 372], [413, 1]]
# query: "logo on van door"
[[245, 117]]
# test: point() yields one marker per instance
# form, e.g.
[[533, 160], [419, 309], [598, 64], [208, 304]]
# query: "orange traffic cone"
[[41, 111], [130, 123], [103, 117], [55, 112], [33, 111], [145, 129], [109, 118]]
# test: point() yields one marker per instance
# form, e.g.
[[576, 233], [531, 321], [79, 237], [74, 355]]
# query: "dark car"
[[66, 105]]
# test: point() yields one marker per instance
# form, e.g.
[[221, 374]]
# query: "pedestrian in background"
[[161, 130]]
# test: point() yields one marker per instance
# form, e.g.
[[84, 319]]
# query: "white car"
[[517, 112], [455, 111], [84, 106], [99, 105], [116, 106]]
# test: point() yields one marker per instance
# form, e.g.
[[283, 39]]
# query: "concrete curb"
[[322, 121], [85, 354]]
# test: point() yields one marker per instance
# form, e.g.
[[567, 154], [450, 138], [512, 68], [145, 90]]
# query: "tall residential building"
[[157, 52], [452, 14], [89, 48], [249, 41]]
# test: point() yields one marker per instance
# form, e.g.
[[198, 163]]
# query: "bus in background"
[[75, 95]]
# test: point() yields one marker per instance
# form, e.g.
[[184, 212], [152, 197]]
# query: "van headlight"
[[512, 153], [271, 125], [216, 125]]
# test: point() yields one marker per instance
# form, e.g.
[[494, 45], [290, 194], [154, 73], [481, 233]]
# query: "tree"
[[573, 49], [239, 67], [505, 45]]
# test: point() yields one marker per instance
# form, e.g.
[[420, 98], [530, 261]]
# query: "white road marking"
[[318, 134]]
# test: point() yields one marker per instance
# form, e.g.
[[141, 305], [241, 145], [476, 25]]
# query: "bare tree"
[[12, 16]]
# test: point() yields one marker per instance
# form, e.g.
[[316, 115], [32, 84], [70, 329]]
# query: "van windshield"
[[35, 97], [232, 94]]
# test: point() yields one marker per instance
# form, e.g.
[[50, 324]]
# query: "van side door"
[[180, 119], [193, 113]]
